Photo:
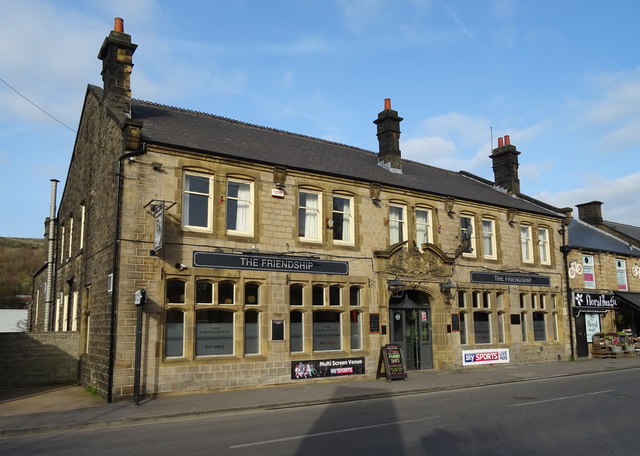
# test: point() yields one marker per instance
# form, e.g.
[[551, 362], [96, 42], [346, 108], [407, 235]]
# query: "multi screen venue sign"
[[506, 278], [278, 263]]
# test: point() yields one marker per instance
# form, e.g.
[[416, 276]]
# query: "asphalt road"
[[579, 415]]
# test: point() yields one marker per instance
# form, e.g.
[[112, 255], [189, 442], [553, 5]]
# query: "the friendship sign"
[[268, 263]]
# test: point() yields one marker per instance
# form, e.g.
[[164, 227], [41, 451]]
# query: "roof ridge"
[[248, 124], [623, 224]]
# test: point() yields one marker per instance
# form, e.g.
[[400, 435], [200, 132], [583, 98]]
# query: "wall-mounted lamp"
[[448, 289], [329, 224], [181, 267], [511, 215], [448, 205], [279, 176], [396, 287], [374, 193]]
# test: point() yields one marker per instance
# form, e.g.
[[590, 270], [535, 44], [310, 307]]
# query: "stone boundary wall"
[[36, 359]]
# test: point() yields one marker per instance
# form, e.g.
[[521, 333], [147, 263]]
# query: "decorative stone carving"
[[411, 262]]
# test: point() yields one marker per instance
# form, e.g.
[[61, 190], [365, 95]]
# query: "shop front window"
[[214, 332]]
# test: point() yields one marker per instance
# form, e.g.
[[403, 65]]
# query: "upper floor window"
[[489, 238], [354, 296], [423, 227], [397, 224], [226, 292], [621, 274], [526, 244], [543, 245], [309, 216], [343, 229], [83, 221], [62, 244], [239, 208], [588, 271], [295, 294], [196, 202], [70, 223], [466, 234]]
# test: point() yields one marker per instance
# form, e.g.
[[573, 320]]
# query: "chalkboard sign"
[[455, 322], [374, 323], [392, 361]]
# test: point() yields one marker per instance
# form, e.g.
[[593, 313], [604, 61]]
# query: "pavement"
[[55, 409]]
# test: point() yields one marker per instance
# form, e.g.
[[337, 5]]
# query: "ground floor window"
[[296, 343], [501, 327], [481, 328], [251, 332], [523, 326], [539, 327], [214, 332], [463, 329], [356, 330], [326, 331], [174, 334]]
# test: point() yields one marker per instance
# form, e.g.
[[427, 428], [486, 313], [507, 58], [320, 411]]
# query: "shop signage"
[[487, 356], [278, 263], [326, 368], [608, 301], [392, 362], [508, 278]]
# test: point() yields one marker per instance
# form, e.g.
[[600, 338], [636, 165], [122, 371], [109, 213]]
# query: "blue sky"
[[562, 78]]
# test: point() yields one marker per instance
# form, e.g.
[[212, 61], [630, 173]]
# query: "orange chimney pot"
[[119, 25], [387, 103]]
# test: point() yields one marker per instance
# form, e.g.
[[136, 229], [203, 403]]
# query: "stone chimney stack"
[[116, 54], [388, 124], [505, 165], [591, 212]]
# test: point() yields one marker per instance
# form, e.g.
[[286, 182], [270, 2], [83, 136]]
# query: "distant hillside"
[[19, 259]]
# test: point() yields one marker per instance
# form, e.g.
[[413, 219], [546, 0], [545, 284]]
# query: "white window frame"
[[185, 207], [397, 223], [424, 228], [472, 222], [247, 229], [621, 273], [349, 216], [544, 251], [526, 244], [491, 242], [62, 244], [308, 213]]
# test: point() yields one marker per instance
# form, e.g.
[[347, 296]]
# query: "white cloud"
[[614, 111], [619, 195]]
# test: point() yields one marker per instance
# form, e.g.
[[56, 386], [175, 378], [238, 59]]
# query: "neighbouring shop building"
[[269, 257], [604, 278]]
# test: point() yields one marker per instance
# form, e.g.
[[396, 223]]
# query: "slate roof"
[[627, 230], [220, 136], [587, 237]]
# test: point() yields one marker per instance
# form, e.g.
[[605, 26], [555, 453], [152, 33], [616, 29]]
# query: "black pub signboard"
[[276, 263], [509, 278]]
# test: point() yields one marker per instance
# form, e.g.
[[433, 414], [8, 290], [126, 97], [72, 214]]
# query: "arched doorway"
[[410, 317]]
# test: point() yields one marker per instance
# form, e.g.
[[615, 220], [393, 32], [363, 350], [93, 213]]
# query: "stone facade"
[[469, 274]]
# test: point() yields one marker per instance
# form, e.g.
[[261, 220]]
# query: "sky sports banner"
[[486, 356]]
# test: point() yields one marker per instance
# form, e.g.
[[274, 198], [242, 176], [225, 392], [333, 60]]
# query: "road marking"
[[339, 431], [562, 398]]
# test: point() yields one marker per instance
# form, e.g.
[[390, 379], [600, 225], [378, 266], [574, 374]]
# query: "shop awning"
[[630, 299]]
